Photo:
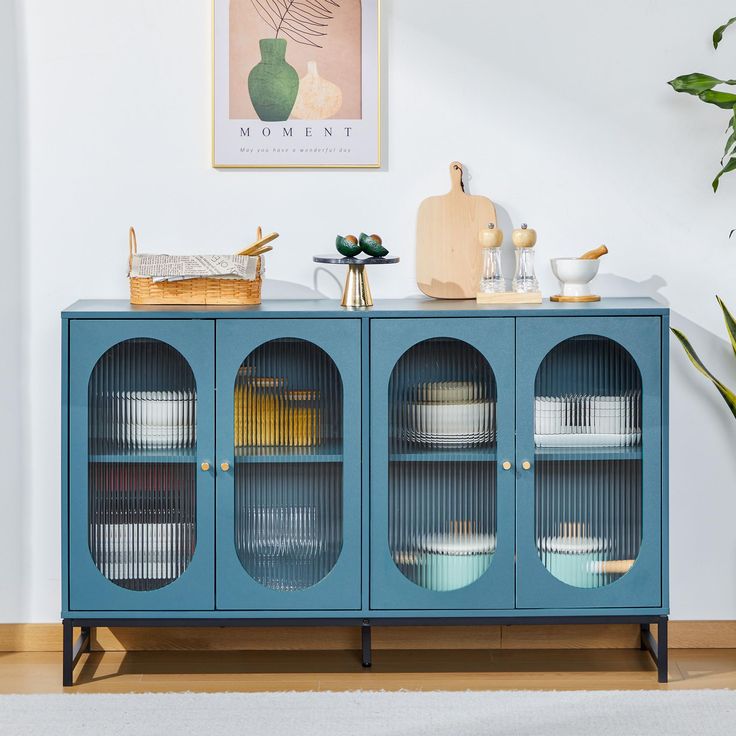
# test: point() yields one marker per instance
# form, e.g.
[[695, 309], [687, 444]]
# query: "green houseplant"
[[704, 86], [728, 395]]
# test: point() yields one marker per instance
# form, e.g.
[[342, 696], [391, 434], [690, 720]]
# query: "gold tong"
[[261, 245]]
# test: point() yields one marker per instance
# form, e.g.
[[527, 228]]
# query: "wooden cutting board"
[[449, 257]]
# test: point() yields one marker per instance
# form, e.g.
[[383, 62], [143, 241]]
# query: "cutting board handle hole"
[[456, 176]]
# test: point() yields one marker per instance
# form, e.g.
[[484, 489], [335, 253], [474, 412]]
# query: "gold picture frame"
[[219, 124]]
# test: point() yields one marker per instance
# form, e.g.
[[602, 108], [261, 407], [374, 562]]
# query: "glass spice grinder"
[[525, 280], [492, 281]]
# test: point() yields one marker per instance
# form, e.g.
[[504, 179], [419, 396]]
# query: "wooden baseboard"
[[571, 636], [682, 635], [30, 637], [702, 634]]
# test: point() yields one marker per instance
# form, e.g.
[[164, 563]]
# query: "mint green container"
[[572, 560], [451, 572], [450, 562]]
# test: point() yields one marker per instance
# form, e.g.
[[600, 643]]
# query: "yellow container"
[[304, 418], [267, 415]]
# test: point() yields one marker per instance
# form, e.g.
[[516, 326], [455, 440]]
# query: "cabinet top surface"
[[410, 307]]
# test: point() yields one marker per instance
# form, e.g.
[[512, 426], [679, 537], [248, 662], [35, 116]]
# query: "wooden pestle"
[[591, 255]]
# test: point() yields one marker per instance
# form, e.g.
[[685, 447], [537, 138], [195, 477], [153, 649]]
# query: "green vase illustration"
[[273, 83]]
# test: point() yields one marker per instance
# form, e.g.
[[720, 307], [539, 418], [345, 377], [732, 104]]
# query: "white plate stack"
[[142, 551], [579, 420], [450, 414], [150, 420]]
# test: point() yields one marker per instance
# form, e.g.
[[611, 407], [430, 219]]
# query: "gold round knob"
[[506, 465], [526, 465], [204, 467], [224, 467]]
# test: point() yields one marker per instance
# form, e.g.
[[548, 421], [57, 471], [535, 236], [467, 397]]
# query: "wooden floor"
[[123, 672]]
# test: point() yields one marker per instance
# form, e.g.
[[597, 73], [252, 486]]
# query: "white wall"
[[559, 110], [14, 494]]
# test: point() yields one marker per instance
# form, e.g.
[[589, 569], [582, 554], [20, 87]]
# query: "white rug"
[[634, 713]]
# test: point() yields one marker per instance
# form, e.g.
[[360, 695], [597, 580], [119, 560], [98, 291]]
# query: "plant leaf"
[[313, 10], [299, 39], [730, 323], [291, 26], [321, 4], [276, 7], [718, 33], [728, 396], [729, 145], [300, 20], [694, 84], [731, 138], [730, 166], [299, 16], [303, 27], [725, 100], [264, 13]]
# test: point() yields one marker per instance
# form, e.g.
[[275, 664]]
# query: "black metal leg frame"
[[74, 649], [658, 648]]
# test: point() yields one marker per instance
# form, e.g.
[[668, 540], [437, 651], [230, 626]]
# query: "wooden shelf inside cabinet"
[[587, 453], [467, 454], [325, 452], [183, 456]]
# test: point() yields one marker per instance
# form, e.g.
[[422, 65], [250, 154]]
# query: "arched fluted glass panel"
[[288, 464], [142, 470], [588, 482], [442, 464]]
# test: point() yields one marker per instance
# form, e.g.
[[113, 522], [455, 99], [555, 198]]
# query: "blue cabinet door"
[[288, 464], [141, 423], [588, 458], [442, 447]]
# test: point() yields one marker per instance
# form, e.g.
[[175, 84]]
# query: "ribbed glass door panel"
[[442, 464], [288, 410], [588, 474], [142, 464]]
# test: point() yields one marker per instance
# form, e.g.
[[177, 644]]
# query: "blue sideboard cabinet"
[[419, 462]]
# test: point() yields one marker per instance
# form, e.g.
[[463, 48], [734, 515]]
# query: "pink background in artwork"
[[339, 60]]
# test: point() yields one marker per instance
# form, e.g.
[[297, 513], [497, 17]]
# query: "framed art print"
[[296, 83]]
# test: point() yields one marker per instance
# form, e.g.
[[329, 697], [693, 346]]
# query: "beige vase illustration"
[[318, 98]]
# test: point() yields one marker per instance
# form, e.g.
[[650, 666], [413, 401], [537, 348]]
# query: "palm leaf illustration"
[[302, 21]]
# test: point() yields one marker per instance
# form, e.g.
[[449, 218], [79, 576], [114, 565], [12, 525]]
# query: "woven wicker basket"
[[192, 291]]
